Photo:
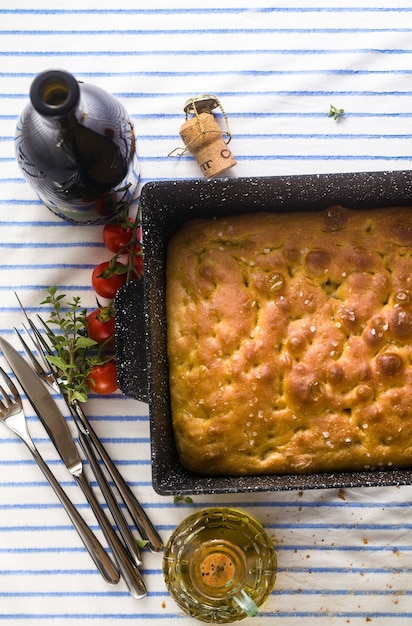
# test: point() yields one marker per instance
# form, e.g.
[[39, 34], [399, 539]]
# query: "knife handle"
[[95, 549], [136, 511], [121, 523], [128, 570]]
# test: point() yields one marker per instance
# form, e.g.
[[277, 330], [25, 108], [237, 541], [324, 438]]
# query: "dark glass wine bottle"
[[75, 145]]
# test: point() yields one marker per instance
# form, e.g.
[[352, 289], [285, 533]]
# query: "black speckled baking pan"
[[141, 318]]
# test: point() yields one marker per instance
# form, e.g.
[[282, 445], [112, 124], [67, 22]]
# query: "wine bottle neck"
[[55, 94]]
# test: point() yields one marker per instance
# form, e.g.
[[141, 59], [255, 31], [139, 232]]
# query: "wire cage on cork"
[[204, 138]]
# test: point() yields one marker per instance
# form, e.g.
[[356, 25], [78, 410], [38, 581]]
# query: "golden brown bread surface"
[[290, 341]]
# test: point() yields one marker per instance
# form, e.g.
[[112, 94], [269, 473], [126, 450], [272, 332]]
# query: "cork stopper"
[[204, 138], [218, 569]]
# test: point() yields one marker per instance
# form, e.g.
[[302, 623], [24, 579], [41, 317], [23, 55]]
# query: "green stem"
[[136, 225], [71, 343]]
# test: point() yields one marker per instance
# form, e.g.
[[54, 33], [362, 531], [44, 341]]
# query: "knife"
[[82, 439], [97, 552], [59, 432]]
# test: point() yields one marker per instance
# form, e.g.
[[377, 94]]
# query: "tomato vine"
[[85, 342]]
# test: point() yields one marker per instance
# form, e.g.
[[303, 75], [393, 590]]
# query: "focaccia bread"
[[290, 341]]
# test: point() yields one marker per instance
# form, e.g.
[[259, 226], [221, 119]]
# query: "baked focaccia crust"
[[290, 341]]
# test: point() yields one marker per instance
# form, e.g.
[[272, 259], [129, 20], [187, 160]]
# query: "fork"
[[51, 375], [48, 377], [13, 417]]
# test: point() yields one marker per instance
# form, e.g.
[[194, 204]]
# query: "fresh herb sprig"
[[180, 498], [335, 112], [74, 352]]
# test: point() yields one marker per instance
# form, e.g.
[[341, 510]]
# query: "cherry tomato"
[[106, 206], [107, 278], [100, 326], [116, 237], [103, 378]]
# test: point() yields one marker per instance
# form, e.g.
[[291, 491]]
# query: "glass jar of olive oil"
[[219, 565]]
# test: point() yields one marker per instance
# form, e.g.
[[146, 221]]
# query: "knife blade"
[[59, 432], [45, 407]]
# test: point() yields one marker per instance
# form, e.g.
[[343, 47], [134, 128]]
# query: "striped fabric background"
[[344, 557]]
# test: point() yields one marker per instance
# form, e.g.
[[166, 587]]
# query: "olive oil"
[[219, 565]]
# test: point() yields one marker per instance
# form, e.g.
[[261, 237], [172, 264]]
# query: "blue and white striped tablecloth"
[[277, 67]]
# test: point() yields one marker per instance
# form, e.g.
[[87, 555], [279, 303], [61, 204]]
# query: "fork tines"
[[9, 389]]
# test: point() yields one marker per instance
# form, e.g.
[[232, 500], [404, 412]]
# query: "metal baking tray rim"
[[141, 319]]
